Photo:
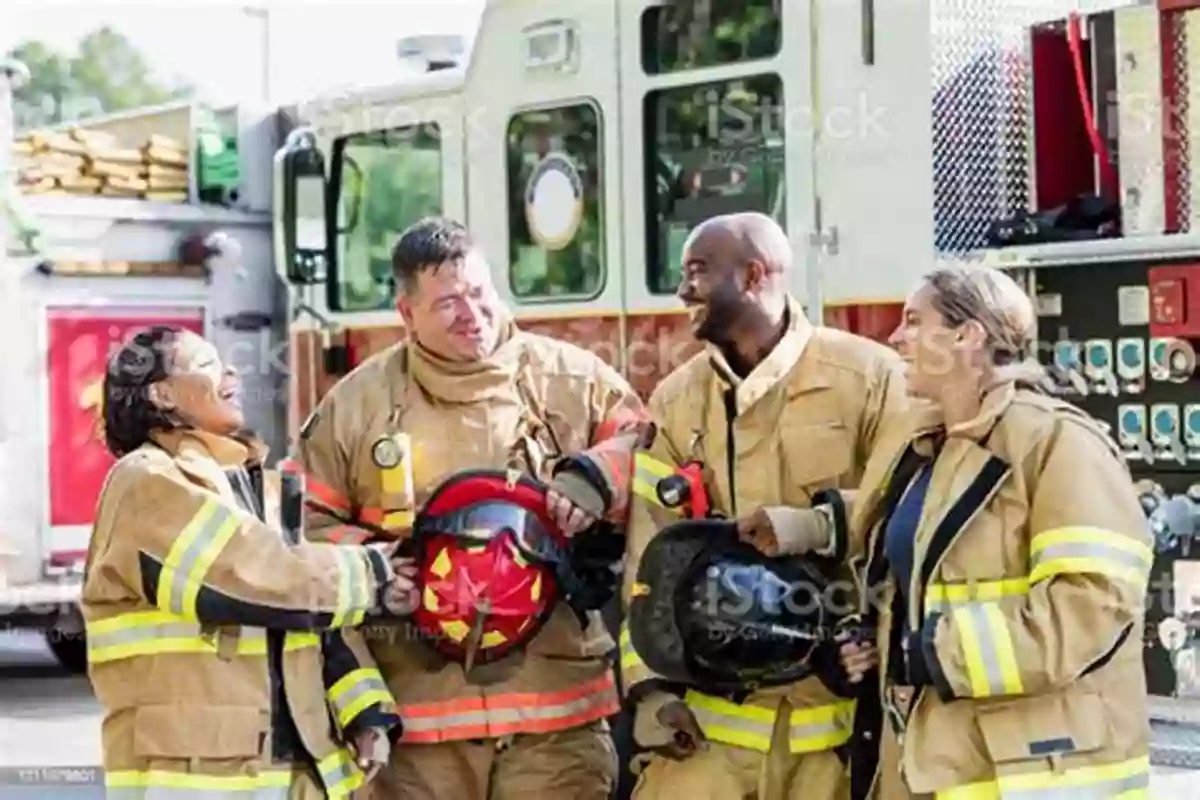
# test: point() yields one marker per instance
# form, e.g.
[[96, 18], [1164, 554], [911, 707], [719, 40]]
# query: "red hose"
[[1108, 175]]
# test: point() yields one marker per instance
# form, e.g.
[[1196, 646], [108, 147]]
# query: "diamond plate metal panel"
[[981, 112]]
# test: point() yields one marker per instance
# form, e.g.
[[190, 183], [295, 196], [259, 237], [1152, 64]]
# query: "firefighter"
[[774, 422], [202, 620], [1008, 564], [469, 390]]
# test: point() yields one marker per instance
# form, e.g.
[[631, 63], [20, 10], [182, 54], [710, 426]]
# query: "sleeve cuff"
[[832, 504], [924, 668], [375, 717]]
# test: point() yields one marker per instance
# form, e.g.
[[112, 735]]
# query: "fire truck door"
[[717, 111], [552, 146]]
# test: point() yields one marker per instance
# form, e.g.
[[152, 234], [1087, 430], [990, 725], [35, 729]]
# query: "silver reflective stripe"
[[809, 730], [502, 716], [354, 591], [144, 633], [987, 647], [710, 719], [195, 539], [334, 775], [180, 793], [373, 683], [1098, 790], [1090, 550]]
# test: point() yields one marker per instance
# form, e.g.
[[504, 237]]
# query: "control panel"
[[1123, 337]]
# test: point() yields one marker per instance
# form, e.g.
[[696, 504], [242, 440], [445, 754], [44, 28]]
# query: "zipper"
[[731, 448]]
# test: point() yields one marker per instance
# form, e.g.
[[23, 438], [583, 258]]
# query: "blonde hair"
[[1005, 312]]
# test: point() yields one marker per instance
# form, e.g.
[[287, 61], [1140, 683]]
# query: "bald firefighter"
[[469, 390], [776, 421]]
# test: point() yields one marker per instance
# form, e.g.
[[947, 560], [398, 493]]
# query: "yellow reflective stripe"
[[191, 556], [145, 633], [945, 596], [354, 589], [398, 519], [1082, 549], [730, 723], [355, 691], [647, 472], [988, 650], [1125, 779], [629, 656], [300, 640], [193, 784], [821, 727], [339, 774], [809, 729]]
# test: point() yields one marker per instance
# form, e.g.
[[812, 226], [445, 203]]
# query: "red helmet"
[[486, 555]]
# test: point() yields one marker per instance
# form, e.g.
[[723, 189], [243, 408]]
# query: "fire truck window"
[[706, 33], [713, 148], [555, 216], [388, 180]]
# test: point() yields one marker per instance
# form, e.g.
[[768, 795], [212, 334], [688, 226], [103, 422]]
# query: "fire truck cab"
[[581, 142]]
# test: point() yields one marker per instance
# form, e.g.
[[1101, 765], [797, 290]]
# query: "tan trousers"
[[724, 772], [577, 764]]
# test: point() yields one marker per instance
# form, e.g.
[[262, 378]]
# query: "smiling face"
[[453, 309], [714, 283], [200, 389], [931, 348]]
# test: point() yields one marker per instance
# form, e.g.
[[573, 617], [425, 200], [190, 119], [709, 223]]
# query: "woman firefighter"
[[1007, 560], [203, 618]]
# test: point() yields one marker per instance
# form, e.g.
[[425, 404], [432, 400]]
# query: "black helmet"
[[711, 611]]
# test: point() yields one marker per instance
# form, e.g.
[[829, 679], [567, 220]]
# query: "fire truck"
[[85, 260], [581, 142]]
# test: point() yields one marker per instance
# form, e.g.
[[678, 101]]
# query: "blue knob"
[[1163, 422], [1130, 421], [1130, 354]]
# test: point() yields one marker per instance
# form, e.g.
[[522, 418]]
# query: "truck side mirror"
[[301, 190]]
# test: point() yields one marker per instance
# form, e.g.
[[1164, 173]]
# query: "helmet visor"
[[484, 521]]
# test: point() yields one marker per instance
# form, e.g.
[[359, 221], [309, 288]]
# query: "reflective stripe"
[[504, 714], [355, 691], [633, 668], [988, 650], [191, 556], [163, 785], [810, 729], [1125, 780], [391, 520], [354, 589], [144, 633], [1079, 549], [945, 596], [647, 472], [339, 774]]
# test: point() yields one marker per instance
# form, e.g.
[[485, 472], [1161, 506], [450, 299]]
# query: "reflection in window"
[[388, 180], [555, 216], [706, 33], [714, 148]]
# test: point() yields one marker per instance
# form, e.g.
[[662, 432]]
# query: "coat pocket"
[[187, 731], [1034, 728]]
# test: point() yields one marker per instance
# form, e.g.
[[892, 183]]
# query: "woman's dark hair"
[[130, 416]]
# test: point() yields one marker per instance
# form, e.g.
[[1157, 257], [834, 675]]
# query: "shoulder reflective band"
[[131, 784], [1081, 549], [339, 774], [633, 668], [191, 556], [749, 726], [146, 633], [356, 691]]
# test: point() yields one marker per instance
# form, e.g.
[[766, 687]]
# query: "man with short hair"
[[781, 415], [469, 390]]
